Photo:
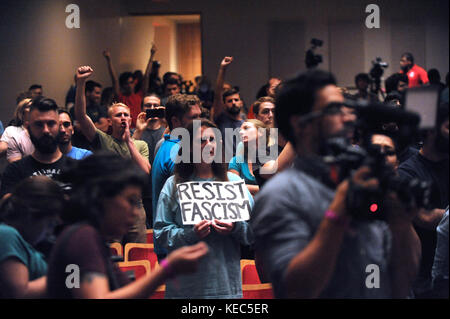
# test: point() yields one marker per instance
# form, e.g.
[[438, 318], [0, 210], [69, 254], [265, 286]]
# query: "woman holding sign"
[[202, 202]]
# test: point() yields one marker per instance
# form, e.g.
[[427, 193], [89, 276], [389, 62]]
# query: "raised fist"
[[153, 49], [107, 54], [226, 61], [83, 72]]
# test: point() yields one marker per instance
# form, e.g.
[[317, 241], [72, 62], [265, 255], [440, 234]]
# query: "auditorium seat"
[[159, 293], [149, 236], [135, 251], [249, 272], [257, 291], [116, 249], [140, 268]]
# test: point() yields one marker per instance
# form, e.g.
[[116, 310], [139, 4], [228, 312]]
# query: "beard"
[[46, 144], [234, 110]]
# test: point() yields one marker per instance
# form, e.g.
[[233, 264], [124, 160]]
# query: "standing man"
[[65, 138], [47, 159], [35, 91], [150, 130], [181, 109], [124, 87], [317, 248], [417, 76], [226, 110], [119, 142]]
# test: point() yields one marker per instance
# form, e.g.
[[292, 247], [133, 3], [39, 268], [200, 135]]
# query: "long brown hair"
[[183, 171]]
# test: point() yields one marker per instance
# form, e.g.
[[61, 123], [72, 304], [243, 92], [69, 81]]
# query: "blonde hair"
[[110, 109], [260, 125], [19, 113]]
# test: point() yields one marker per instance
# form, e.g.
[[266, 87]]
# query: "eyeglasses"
[[331, 109]]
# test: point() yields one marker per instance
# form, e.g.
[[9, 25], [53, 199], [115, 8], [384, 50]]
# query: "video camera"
[[312, 60], [365, 204], [376, 73]]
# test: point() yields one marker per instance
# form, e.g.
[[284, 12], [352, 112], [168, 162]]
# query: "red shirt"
[[416, 76], [134, 102]]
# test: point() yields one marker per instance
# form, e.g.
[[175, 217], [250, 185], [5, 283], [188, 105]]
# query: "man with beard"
[[416, 75], [309, 241], [430, 164], [47, 159], [65, 138], [226, 110]]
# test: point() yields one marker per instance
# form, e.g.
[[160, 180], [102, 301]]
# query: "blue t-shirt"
[[162, 168], [14, 246], [78, 153], [241, 166]]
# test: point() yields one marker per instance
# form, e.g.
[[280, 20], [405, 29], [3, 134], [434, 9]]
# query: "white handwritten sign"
[[224, 201]]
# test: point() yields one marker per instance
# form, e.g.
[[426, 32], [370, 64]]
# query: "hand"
[[397, 212], [185, 259], [222, 227], [142, 122], [203, 228], [83, 72], [153, 49], [226, 61], [107, 54], [359, 180], [126, 136]]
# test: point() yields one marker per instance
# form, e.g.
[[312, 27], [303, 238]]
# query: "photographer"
[[307, 243]]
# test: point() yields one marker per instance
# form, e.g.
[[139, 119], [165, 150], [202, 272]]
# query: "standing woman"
[[26, 218], [104, 201], [219, 274]]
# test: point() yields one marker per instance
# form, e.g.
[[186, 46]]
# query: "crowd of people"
[[108, 165]]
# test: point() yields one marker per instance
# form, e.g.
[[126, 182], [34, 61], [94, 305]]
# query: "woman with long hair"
[[219, 273], [103, 206]]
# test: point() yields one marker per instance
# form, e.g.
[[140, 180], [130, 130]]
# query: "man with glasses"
[[150, 125], [65, 138], [308, 242]]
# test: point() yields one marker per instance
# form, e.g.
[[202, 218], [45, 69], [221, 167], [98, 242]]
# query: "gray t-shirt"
[[152, 137], [286, 216]]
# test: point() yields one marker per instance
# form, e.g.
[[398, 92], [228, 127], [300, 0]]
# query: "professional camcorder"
[[368, 204]]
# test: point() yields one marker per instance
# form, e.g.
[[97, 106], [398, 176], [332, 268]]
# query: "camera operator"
[[307, 243], [430, 164]]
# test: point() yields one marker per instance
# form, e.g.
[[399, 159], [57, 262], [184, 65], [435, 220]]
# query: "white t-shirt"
[[18, 140]]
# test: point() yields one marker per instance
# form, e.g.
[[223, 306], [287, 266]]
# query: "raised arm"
[[218, 107], [112, 72], [148, 70], [86, 125]]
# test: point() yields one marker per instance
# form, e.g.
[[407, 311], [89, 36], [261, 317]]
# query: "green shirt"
[[107, 142]]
